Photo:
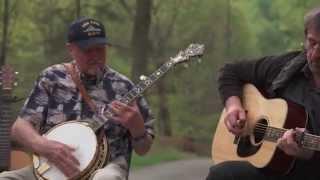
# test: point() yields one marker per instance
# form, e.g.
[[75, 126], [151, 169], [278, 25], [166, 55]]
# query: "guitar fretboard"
[[306, 140], [5, 124]]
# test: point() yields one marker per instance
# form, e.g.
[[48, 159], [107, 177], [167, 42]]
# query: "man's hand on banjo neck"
[[131, 118]]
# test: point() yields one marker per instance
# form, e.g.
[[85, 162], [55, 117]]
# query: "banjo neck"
[[193, 50], [136, 91], [145, 83]]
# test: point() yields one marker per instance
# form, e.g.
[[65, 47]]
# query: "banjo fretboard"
[[194, 50]]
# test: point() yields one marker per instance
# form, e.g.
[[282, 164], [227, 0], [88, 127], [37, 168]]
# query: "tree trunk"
[[164, 123], [78, 8], [160, 44], [4, 43], [228, 33], [164, 114], [140, 40]]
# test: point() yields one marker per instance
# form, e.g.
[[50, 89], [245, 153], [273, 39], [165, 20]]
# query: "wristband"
[[140, 139]]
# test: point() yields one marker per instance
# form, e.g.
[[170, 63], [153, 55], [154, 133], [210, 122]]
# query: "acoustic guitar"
[[267, 120], [9, 159]]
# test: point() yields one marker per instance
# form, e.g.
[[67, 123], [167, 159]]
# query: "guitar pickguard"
[[245, 147]]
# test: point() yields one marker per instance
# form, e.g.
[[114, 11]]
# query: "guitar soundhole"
[[245, 146], [260, 130]]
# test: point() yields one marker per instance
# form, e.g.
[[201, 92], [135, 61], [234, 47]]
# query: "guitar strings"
[[262, 129], [311, 140]]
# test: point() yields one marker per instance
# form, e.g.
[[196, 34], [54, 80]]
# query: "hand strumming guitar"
[[235, 118]]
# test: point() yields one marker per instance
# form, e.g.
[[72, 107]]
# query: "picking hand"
[[60, 155], [235, 120]]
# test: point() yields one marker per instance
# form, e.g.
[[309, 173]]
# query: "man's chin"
[[91, 73], [94, 71]]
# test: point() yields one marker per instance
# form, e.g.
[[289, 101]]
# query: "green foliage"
[[37, 35]]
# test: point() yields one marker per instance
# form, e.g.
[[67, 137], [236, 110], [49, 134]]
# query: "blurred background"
[[145, 34]]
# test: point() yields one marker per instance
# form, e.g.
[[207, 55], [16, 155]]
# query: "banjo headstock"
[[7, 78], [193, 50]]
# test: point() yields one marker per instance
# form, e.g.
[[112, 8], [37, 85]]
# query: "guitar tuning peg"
[[16, 72], [15, 84], [143, 77]]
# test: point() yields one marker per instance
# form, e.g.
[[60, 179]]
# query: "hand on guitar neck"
[[289, 143], [235, 118], [270, 138]]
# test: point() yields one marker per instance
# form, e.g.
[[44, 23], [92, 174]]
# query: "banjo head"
[[75, 134]]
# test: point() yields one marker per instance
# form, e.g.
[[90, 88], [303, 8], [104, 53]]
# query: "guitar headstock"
[[7, 77], [193, 50]]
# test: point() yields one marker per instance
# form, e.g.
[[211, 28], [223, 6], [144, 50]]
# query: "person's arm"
[[143, 144], [25, 134], [232, 77], [60, 154], [260, 72], [235, 115], [131, 117], [33, 114], [288, 144]]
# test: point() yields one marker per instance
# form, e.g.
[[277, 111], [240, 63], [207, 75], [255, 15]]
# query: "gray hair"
[[312, 20]]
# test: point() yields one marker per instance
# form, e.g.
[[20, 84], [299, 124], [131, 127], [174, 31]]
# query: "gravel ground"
[[191, 169]]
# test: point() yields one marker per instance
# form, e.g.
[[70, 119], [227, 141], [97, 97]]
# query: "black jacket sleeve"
[[259, 72]]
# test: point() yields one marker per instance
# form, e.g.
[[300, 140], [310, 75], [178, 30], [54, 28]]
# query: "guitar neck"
[[306, 140], [5, 124]]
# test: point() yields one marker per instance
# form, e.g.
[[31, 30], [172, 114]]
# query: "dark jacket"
[[273, 74], [268, 73]]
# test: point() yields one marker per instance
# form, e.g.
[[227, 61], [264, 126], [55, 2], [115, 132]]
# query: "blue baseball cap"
[[86, 32]]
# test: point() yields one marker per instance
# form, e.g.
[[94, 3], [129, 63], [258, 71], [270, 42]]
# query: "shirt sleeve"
[[147, 116], [260, 72], [35, 107]]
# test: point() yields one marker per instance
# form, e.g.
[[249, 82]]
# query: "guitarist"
[[55, 99], [294, 76]]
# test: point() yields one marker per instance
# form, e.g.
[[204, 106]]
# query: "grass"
[[159, 153]]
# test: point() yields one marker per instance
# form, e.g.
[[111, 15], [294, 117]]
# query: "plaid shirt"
[[55, 99]]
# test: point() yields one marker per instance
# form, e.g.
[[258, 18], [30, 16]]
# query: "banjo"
[[94, 153]]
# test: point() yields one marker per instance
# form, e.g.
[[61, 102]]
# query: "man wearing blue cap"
[[56, 99]]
